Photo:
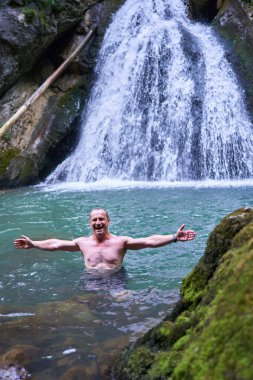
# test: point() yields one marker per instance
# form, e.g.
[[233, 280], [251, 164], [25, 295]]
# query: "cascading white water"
[[166, 104]]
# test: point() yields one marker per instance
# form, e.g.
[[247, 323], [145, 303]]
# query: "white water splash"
[[166, 105], [114, 184]]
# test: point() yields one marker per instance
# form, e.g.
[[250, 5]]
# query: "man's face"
[[99, 222]]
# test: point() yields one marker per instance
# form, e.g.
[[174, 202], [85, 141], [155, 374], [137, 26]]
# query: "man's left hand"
[[185, 235]]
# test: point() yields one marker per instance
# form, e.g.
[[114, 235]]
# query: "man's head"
[[99, 222]]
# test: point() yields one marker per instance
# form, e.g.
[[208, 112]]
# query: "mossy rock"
[[213, 338], [222, 347], [6, 156], [16, 168], [219, 242]]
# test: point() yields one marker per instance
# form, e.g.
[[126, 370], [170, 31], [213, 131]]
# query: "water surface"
[[78, 320]]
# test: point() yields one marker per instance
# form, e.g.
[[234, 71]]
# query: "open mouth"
[[98, 228]]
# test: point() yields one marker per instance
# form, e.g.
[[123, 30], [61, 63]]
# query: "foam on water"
[[114, 184]]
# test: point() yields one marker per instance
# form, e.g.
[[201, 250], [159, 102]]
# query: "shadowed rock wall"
[[234, 23]]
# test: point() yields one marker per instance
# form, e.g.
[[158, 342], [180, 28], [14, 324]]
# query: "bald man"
[[103, 250]]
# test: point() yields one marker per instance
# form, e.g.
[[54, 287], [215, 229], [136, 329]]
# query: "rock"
[[203, 10], [209, 334], [219, 242], [33, 29], [21, 354], [81, 373], [45, 374], [106, 352]]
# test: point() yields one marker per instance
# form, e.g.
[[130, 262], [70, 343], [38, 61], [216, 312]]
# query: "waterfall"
[[166, 105]]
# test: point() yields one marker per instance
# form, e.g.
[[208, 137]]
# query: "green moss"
[[6, 156], [163, 366], [43, 9], [223, 348], [220, 240], [139, 362], [29, 14], [182, 342], [16, 168], [28, 168], [213, 339]]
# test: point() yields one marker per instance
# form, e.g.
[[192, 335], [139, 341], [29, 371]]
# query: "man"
[[102, 250]]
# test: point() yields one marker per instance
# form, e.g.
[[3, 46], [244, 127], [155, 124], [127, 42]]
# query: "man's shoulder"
[[81, 239], [120, 238]]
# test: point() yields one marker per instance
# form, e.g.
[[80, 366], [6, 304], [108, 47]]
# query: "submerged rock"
[[59, 346], [81, 372], [21, 354], [209, 334]]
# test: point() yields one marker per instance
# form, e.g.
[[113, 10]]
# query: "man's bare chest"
[[109, 252]]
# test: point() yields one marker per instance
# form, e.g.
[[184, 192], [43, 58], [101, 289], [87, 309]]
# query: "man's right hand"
[[24, 243]]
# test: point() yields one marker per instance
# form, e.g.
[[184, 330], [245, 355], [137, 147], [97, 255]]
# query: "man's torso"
[[107, 254]]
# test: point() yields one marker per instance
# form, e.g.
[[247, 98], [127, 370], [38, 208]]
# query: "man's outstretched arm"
[[46, 245], [156, 241]]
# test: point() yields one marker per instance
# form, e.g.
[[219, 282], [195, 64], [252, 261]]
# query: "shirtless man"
[[103, 250]]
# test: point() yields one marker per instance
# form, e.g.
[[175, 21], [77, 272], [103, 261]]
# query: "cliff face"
[[35, 38], [27, 28], [209, 335]]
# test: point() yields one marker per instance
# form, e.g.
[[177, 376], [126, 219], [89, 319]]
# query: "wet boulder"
[[22, 354]]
